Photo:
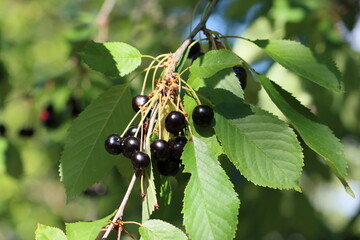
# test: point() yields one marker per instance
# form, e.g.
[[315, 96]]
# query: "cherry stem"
[[119, 232], [191, 90], [183, 71], [151, 126], [120, 211], [166, 99], [141, 125], [159, 115], [152, 102], [155, 71], [187, 119], [151, 57], [133, 222], [178, 96], [142, 184], [129, 124], [165, 56], [127, 233]]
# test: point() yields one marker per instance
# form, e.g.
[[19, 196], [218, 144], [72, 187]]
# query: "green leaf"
[[315, 134], [261, 146], [210, 203], [149, 201], [301, 60], [165, 190], [259, 156], [224, 79], [160, 230], [86, 230], [44, 232], [214, 61], [84, 160], [3, 149], [111, 58]]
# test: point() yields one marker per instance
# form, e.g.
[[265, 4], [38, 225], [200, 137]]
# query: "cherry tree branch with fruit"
[[171, 134], [167, 154]]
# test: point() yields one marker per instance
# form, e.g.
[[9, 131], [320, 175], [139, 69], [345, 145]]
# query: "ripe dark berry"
[[114, 144], [74, 106], [160, 149], [140, 160], [138, 101], [195, 51], [26, 132], [240, 73], [175, 122], [47, 116], [203, 115], [197, 56], [176, 145], [2, 130], [131, 131], [131, 145], [168, 168]]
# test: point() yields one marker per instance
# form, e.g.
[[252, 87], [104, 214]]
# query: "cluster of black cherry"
[[167, 154]]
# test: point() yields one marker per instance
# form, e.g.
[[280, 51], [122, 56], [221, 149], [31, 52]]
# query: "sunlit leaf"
[[86, 230], [303, 61], [160, 230], [315, 134], [111, 58], [44, 232], [210, 203], [214, 61], [261, 146]]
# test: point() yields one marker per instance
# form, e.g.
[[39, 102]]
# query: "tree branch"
[[102, 19], [105, 11], [201, 25], [120, 211]]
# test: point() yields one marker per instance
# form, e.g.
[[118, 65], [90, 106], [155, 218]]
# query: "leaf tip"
[[298, 188], [348, 189]]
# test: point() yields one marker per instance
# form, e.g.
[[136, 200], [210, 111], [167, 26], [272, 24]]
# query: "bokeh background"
[[44, 85]]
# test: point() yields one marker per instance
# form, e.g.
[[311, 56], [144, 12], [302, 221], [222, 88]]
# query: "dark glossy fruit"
[[114, 144], [194, 51], [175, 122], [160, 149], [131, 145], [131, 131], [2, 130], [196, 56], [176, 146], [240, 73], [74, 107], [203, 115], [140, 160], [168, 168], [138, 101], [47, 116], [26, 132]]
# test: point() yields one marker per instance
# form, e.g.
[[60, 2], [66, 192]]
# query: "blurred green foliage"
[[39, 66]]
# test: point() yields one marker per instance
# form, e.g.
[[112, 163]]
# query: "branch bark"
[[120, 211], [102, 19], [200, 26]]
